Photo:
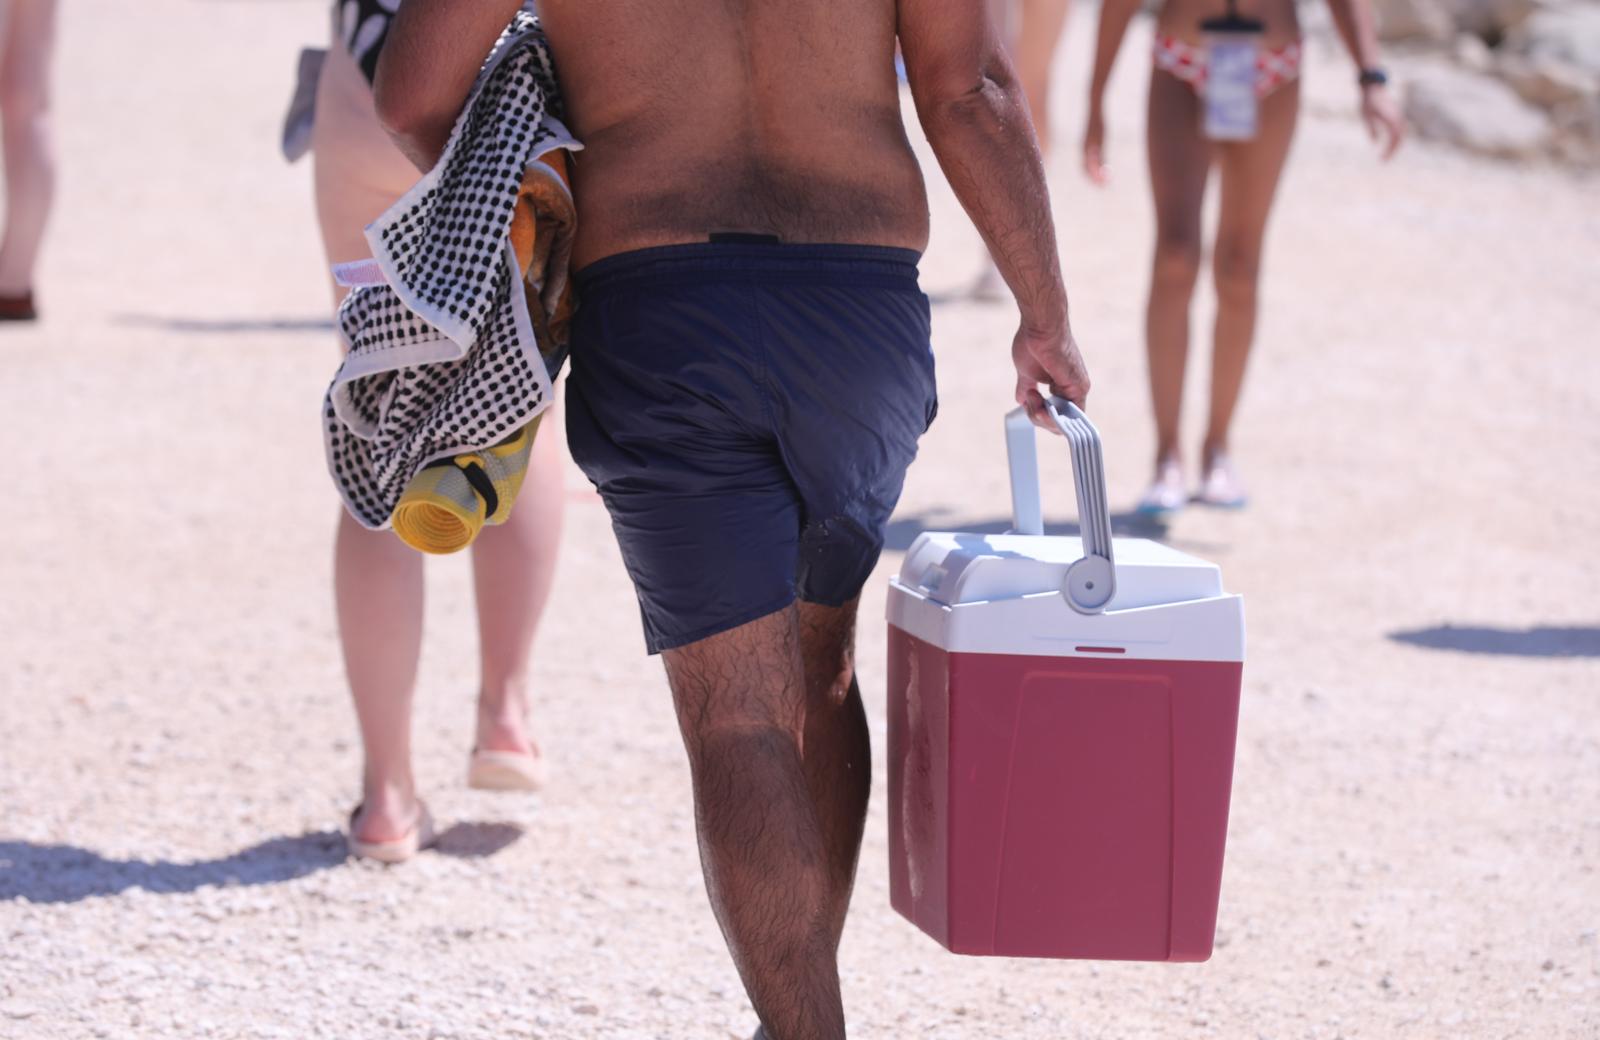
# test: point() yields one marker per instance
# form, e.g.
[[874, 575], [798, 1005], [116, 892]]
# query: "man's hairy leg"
[[741, 702], [838, 751]]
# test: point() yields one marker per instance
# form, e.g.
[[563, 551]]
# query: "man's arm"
[[972, 109], [430, 58], [1114, 18]]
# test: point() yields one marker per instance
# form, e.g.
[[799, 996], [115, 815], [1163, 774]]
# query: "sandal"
[[419, 837], [506, 771]]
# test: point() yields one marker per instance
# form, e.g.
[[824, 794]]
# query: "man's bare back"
[[776, 116]]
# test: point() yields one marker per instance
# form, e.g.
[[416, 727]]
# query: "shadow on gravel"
[[1542, 641], [67, 873], [213, 325], [477, 840], [903, 530]]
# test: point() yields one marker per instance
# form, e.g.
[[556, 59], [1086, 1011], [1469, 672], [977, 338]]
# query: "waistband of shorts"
[[775, 263]]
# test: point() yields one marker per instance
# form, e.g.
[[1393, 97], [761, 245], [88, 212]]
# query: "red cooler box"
[[1062, 714]]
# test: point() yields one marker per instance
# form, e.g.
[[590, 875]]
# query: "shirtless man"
[[751, 373]]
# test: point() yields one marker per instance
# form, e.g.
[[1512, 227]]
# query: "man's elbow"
[[403, 113], [981, 100], [417, 128], [955, 86]]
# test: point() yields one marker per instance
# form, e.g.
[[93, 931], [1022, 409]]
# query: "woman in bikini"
[[359, 173], [27, 41], [1182, 152]]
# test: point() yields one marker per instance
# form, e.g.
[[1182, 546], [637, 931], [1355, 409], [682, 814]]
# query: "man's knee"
[[743, 777], [731, 750], [771, 705]]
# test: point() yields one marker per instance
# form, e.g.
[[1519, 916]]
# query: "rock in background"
[[1569, 34], [1412, 21], [1477, 112], [1519, 78]]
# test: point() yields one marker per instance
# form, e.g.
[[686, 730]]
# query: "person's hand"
[[1094, 148], [1050, 358], [1385, 125]]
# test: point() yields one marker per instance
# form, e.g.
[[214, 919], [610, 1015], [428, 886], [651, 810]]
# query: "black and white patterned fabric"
[[441, 355], [363, 25]]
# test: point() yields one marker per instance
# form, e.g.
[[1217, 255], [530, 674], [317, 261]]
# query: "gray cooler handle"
[[1091, 581]]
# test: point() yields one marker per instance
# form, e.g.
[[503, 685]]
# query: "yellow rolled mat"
[[449, 502]]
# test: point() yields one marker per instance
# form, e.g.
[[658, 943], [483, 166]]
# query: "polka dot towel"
[[441, 356]]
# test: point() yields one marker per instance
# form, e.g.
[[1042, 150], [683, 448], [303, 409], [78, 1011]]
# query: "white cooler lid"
[[950, 568], [1002, 594]]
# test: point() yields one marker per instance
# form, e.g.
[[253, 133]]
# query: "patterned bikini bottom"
[[1275, 66]]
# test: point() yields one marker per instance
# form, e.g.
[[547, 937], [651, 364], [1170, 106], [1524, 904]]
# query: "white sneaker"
[[1222, 488], [1166, 494]]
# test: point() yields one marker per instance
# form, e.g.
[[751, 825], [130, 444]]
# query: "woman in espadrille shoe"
[[378, 580]]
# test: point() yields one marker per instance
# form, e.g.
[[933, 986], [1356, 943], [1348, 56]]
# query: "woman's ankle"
[[389, 807], [388, 786], [503, 713]]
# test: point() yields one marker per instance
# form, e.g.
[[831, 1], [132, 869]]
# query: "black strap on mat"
[[483, 486]]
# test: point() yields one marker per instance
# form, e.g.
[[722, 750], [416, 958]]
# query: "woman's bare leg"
[[377, 579], [1180, 159], [513, 567], [377, 584], [1250, 173], [27, 41]]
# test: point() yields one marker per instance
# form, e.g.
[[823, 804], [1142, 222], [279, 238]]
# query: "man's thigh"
[[746, 678]]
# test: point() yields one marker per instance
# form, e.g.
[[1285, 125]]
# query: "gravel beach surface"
[[1416, 820]]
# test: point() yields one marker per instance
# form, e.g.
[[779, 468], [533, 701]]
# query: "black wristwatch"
[[1373, 77]]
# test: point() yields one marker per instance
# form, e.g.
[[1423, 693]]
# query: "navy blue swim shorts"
[[747, 412]]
